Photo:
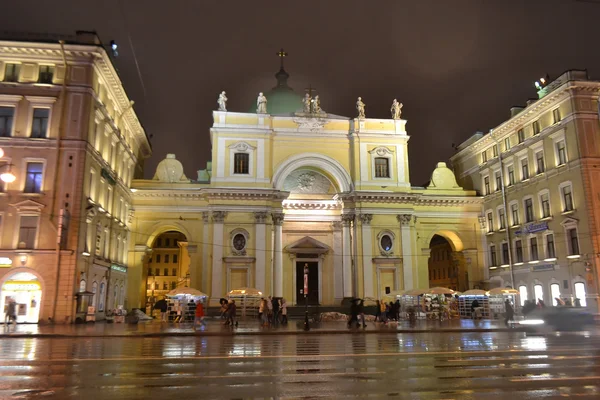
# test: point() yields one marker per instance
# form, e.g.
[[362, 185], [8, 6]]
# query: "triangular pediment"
[[28, 205], [307, 245], [568, 222]]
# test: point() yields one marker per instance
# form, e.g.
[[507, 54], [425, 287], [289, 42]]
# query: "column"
[[338, 274], [195, 273], [260, 219], [278, 255], [205, 245], [218, 218], [136, 289], [347, 220], [367, 256], [408, 250]]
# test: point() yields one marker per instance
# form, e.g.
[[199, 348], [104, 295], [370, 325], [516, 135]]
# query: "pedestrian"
[[361, 313], [11, 312], [261, 308], [265, 314], [226, 310], [275, 310], [284, 319], [382, 310], [199, 315], [398, 307], [509, 312], [223, 309], [474, 309], [541, 303], [378, 311], [163, 311], [270, 309], [353, 313], [231, 311], [577, 302]]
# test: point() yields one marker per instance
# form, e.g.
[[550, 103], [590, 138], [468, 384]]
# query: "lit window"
[[486, 184], [539, 158], [573, 241], [33, 180], [534, 249], [495, 150], [515, 214], [538, 292], [46, 74], [523, 294], [555, 293], [507, 144], [28, 231], [556, 115], [39, 123], [501, 218], [94, 290], [382, 167], [241, 163], [498, 178], [504, 253], [580, 293], [511, 175], [11, 72], [561, 153], [102, 297], [550, 252], [524, 169], [490, 221], [6, 121], [567, 198], [484, 156]]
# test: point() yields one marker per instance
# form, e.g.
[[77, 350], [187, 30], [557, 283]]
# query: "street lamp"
[[7, 176], [306, 324]]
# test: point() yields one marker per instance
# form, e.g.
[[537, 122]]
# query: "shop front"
[[26, 290]]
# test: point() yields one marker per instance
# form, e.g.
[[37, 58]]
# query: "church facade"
[[303, 188]]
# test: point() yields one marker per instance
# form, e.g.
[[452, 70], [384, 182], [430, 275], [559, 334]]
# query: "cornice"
[[311, 205]]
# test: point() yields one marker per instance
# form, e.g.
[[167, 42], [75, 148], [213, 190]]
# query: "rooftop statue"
[[360, 107], [316, 105], [222, 101], [261, 104], [396, 109], [307, 101]]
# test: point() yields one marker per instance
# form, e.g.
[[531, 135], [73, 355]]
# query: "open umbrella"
[[415, 292], [474, 292], [505, 291], [440, 290], [188, 291], [160, 304], [245, 291]]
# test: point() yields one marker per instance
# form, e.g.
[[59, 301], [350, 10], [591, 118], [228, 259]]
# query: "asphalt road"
[[405, 366]]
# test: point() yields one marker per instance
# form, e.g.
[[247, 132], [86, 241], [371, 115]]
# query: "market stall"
[[439, 302], [466, 299], [182, 303], [413, 298], [497, 297], [247, 301]]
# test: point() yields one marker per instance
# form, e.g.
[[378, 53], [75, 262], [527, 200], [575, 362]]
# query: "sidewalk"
[[215, 328]]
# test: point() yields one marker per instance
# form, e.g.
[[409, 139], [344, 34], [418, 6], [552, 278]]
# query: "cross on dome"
[[281, 53]]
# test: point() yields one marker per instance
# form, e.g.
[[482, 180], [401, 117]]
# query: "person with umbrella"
[[162, 306]]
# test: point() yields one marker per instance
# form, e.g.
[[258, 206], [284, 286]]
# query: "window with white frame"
[[28, 229], [486, 185], [514, 210], [490, 221], [567, 197], [495, 150], [501, 218], [241, 160], [533, 249], [573, 241], [34, 177], [102, 296], [535, 127], [545, 204], [519, 250], [555, 293], [7, 115], [561, 153], [382, 167], [505, 253], [11, 72], [493, 259], [484, 156], [507, 144], [529, 216], [550, 250], [523, 294], [241, 163], [510, 171], [524, 169], [498, 179], [556, 117], [521, 135], [539, 161], [538, 292], [39, 123]]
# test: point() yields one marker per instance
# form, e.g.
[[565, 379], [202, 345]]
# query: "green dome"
[[282, 99]]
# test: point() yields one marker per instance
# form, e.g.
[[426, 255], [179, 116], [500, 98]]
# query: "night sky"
[[458, 66]]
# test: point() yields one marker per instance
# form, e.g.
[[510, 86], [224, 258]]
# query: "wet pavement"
[[215, 327], [450, 365]]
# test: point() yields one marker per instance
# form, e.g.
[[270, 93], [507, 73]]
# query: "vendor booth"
[[466, 299], [182, 303], [498, 296], [247, 301]]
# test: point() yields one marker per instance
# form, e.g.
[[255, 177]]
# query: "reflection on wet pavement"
[[424, 366]]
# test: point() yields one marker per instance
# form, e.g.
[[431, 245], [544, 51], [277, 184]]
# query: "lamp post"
[[306, 324], [7, 176]]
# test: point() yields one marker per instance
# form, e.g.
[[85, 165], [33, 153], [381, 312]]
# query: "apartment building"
[[73, 143], [538, 173]]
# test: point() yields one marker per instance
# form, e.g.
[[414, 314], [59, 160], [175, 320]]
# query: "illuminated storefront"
[[26, 290]]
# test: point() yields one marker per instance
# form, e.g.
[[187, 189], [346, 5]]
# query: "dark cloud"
[[457, 66]]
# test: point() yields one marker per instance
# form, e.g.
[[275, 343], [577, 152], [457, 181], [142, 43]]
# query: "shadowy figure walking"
[[510, 312]]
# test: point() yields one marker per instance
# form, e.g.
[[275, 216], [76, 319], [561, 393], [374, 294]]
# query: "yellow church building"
[[291, 185]]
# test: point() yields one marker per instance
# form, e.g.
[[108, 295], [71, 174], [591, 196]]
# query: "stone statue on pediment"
[[261, 104], [360, 107], [222, 101], [316, 109], [307, 101], [396, 109]]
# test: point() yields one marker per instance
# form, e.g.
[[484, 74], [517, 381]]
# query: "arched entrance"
[[446, 262], [166, 267], [26, 289]]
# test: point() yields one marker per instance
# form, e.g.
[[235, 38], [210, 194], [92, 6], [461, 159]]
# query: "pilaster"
[[260, 219], [367, 257], [278, 256], [218, 219], [409, 249], [347, 220]]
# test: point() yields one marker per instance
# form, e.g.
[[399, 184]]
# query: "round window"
[[239, 242], [386, 242]]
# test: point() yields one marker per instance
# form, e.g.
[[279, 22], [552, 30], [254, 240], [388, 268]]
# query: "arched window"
[[102, 296], [523, 294], [116, 297], [538, 292], [580, 293], [94, 290], [555, 293], [82, 285]]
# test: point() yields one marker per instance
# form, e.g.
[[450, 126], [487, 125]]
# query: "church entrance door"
[[313, 282]]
